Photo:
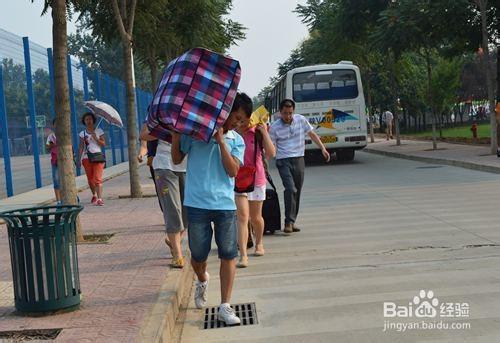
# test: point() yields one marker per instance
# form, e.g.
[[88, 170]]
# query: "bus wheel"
[[345, 155]]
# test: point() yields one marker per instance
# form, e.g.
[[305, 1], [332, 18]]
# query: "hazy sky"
[[273, 31], [22, 18]]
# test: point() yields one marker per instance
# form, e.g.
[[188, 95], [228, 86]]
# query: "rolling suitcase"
[[271, 211]]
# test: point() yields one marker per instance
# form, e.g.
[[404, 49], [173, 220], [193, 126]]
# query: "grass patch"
[[97, 238], [483, 130]]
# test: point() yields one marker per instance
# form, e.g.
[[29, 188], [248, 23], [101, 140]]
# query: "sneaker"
[[177, 263], [99, 202], [227, 315], [288, 228], [200, 293], [94, 200], [243, 262]]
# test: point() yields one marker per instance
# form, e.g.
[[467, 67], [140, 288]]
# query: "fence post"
[[4, 129], [52, 86], [118, 108], [32, 111], [74, 120], [107, 84], [85, 82]]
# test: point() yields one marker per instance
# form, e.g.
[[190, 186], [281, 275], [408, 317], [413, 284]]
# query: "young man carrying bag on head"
[[209, 198]]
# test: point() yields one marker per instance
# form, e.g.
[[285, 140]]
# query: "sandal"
[[259, 250], [177, 263]]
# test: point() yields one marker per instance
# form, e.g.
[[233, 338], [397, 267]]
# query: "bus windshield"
[[324, 85]]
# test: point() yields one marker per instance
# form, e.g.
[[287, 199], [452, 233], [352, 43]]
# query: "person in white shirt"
[[169, 181], [90, 155], [388, 119]]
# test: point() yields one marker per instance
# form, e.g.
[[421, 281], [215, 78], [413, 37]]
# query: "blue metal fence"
[[27, 109]]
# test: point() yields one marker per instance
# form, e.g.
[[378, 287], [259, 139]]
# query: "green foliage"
[[397, 44]]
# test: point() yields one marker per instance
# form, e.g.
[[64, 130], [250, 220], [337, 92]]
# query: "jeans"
[[55, 176], [200, 233], [292, 174]]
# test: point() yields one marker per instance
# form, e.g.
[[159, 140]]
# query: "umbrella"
[[105, 111]]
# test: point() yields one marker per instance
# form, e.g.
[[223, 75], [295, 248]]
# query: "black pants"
[[152, 171], [292, 174]]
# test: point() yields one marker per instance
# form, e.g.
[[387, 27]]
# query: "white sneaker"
[[227, 315], [200, 293]]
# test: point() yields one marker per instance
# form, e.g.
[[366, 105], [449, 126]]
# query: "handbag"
[[95, 157], [245, 179]]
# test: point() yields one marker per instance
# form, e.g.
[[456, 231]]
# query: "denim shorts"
[[55, 176], [200, 233]]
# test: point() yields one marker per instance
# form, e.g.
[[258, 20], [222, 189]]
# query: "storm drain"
[[30, 335], [246, 312], [430, 167]]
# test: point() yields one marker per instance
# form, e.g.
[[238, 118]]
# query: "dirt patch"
[[97, 238]]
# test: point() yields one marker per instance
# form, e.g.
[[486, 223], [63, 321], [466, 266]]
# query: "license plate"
[[328, 139]]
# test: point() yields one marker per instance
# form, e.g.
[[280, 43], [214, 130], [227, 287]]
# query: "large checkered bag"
[[195, 95]]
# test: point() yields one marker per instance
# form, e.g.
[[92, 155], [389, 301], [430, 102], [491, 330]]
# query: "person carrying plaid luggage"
[[209, 198]]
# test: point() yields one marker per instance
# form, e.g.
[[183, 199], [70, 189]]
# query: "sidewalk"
[[128, 291], [476, 157]]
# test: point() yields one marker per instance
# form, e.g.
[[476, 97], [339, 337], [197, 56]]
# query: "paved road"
[[23, 171], [376, 230]]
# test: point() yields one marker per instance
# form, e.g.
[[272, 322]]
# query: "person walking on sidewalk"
[[388, 119], [91, 156], [211, 168], [249, 204], [51, 145], [148, 149], [169, 183], [288, 135]]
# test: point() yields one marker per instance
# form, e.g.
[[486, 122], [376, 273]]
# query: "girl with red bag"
[[250, 188]]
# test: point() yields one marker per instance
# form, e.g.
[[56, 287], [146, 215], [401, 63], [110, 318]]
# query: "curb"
[[159, 325], [79, 189], [453, 163]]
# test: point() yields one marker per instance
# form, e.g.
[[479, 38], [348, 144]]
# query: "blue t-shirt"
[[208, 186]]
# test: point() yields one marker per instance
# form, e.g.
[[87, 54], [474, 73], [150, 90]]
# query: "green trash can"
[[43, 253]]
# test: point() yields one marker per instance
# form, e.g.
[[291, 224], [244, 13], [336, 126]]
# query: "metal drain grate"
[[30, 335], [246, 312]]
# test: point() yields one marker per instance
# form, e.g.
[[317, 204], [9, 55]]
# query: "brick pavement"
[[120, 281]]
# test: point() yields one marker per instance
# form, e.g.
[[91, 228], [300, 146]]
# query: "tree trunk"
[[135, 186], [429, 98], [483, 5], [395, 98], [497, 107], [370, 111], [124, 16], [63, 118], [153, 68]]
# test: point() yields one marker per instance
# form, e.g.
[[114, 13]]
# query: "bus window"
[[325, 85]]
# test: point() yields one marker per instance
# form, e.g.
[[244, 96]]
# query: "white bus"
[[331, 97]]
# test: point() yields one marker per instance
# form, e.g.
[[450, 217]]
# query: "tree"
[[122, 13], [483, 8], [63, 128]]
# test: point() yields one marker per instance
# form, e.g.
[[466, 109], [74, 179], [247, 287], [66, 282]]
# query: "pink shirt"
[[260, 174]]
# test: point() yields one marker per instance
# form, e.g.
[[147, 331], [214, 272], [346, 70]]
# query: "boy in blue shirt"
[[209, 198]]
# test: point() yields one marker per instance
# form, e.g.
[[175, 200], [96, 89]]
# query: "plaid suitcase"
[[195, 95]]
